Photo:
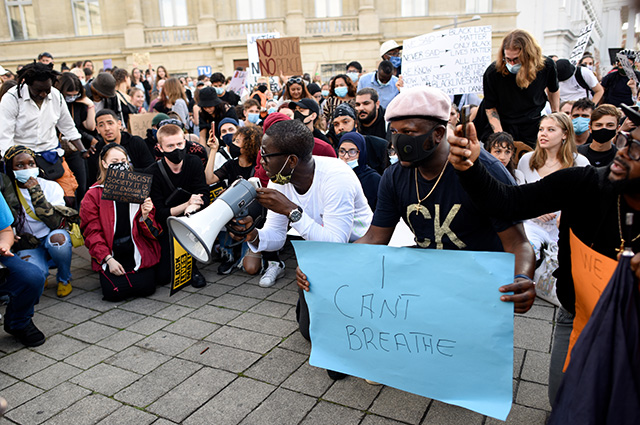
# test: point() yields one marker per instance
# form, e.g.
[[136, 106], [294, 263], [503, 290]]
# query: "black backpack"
[[582, 82]]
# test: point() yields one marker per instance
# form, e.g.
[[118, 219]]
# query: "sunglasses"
[[171, 121], [269, 155], [295, 80], [624, 139]]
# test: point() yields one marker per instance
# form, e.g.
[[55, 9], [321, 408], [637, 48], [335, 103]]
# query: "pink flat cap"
[[420, 101]]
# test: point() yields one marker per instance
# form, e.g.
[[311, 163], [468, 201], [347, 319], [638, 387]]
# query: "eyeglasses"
[[351, 153], [295, 80], [512, 61], [269, 155], [624, 139]]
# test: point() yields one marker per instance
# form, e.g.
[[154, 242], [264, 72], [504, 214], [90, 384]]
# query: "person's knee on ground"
[[252, 263]]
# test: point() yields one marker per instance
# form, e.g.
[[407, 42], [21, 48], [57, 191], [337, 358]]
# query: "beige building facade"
[[185, 34]]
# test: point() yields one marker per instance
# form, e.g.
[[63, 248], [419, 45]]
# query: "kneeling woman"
[[122, 238], [38, 209]]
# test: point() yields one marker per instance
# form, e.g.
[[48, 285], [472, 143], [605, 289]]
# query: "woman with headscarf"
[[352, 149]]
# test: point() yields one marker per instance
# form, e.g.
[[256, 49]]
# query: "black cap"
[[565, 69], [306, 103], [344, 110], [313, 88], [45, 55], [208, 97]]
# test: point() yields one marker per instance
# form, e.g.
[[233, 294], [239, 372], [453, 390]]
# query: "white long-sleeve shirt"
[[23, 123], [334, 209]]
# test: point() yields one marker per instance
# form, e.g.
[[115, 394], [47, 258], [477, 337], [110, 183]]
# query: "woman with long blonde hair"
[[173, 98]]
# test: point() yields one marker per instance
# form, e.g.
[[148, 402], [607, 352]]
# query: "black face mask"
[[297, 115], [411, 148], [176, 156], [234, 150], [262, 88], [227, 139], [603, 135]]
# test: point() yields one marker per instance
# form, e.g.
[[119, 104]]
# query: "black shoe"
[[336, 376], [227, 266], [198, 281], [29, 336]]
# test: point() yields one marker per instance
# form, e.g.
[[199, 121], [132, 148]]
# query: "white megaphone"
[[197, 232]]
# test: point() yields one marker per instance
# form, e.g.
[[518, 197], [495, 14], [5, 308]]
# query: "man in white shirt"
[[576, 83]]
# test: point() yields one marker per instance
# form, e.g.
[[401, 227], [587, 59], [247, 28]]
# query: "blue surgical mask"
[[219, 91], [71, 99], [341, 91], [353, 75], [272, 110], [190, 83], [396, 61], [393, 159], [325, 93], [580, 125], [513, 68], [381, 83], [353, 164], [253, 118], [23, 175]]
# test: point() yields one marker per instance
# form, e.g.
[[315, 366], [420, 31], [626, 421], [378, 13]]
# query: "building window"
[[86, 17], [251, 9], [415, 8], [22, 21], [328, 8], [173, 13], [478, 6]]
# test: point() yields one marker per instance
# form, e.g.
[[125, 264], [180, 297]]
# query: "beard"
[[369, 118], [626, 186]]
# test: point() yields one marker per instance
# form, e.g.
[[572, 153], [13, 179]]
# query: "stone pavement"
[[228, 353]]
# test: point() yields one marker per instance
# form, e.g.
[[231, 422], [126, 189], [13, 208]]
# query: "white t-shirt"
[[334, 209], [531, 176], [54, 194], [571, 90]]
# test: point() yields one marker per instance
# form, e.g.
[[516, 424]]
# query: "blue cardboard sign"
[[429, 322], [204, 70]]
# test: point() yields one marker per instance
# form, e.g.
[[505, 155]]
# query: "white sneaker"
[[273, 272]]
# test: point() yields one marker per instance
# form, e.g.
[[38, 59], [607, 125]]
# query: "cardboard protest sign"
[[425, 321], [627, 65], [591, 273], [581, 44], [237, 82], [252, 53], [453, 60], [107, 64], [280, 56], [181, 267], [126, 186], [140, 123]]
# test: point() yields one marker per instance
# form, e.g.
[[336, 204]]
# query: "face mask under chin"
[[278, 178]]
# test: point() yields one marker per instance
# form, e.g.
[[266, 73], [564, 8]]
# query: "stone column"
[[294, 19], [134, 31], [207, 28], [368, 21]]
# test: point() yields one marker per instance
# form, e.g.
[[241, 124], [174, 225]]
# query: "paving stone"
[[138, 360], [105, 379], [50, 326], [163, 294], [389, 399], [53, 376], [291, 315], [119, 318], [120, 340], [234, 302], [532, 334], [536, 367], [270, 308], [6, 380], [281, 407], [284, 296], [173, 312], [145, 306], [518, 358], [235, 279], [87, 283], [128, 415], [195, 300], [196, 390], [24, 363], [162, 421], [215, 289], [296, 342], [20, 393], [94, 301], [264, 324], [9, 344], [220, 357], [191, 328], [446, 414], [47, 404], [533, 395], [520, 415], [60, 347], [46, 302], [90, 409], [253, 291], [352, 392], [166, 343], [542, 312], [157, 383], [88, 357], [69, 312], [90, 332], [379, 420], [308, 380], [214, 314], [329, 413], [244, 339], [276, 366], [148, 325]]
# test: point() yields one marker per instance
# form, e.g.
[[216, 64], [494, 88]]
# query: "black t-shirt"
[[320, 135], [516, 105], [598, 159], [616, 90], [230, 97], [231, 170], [447, 219]]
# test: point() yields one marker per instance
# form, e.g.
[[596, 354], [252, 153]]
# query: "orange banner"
[[591, 273]]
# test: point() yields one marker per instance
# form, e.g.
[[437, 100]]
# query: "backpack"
[[582, 82]]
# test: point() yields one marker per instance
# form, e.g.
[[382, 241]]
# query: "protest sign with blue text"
[[429, 322]]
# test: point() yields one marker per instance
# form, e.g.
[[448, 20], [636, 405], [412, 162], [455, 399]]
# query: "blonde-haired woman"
[[515, 88], [173, 98]]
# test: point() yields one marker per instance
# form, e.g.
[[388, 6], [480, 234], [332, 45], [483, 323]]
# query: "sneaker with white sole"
[[273, 273]]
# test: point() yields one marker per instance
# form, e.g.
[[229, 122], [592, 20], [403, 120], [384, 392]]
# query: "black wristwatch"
[[295, 215]]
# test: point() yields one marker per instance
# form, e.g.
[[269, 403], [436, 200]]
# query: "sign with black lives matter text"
[[126, 186], [581, 44], [452, 60], [280, 56]]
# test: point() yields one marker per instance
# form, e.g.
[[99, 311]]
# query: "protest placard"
[[627, 65], [139, 123], [581, 44], [453, 60], [107, 64], [204, 70], [252, 53], [126, 186], [429, 321], [237, 82], [181, 267], [280, 56]]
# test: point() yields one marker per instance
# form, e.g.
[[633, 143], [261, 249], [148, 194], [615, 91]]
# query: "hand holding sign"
[[146, 208]]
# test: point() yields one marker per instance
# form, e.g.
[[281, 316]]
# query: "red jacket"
[[98, 223]]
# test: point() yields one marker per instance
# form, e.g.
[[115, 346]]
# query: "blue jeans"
[[24, 285], [50, 254], [561, 336]]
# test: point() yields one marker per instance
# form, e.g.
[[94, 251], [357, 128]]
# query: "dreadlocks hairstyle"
[[36, 71]]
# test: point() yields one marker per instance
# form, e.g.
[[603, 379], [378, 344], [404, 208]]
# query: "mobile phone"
[[465, 114]]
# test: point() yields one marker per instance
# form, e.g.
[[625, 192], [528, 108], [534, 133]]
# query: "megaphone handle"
[[242, 232]]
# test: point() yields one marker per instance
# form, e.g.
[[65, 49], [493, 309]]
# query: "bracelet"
[[107, 258], [522, 276], [254, 239], [91, 107]]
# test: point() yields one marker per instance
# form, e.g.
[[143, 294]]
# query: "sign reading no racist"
[[126, 186], [280, 56]]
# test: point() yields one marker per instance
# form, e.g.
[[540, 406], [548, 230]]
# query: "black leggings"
[[132, 284], [302, 315]]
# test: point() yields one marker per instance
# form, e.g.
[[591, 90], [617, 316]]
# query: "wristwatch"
[[295, 215]]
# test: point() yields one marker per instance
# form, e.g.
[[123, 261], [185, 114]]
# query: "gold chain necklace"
[[420, 201], [622, 241]]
